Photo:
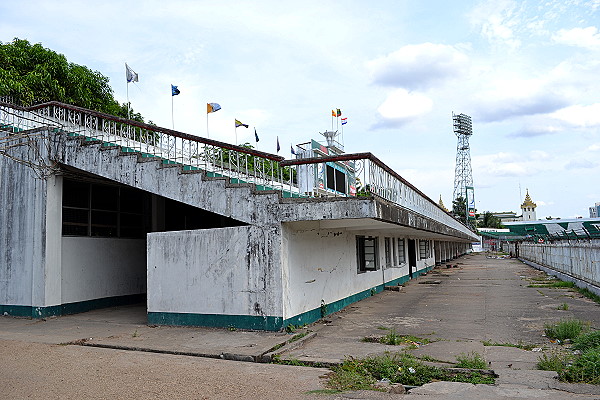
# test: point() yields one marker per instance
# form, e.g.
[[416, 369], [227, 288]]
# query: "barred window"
[[401, 252], [367, 253]]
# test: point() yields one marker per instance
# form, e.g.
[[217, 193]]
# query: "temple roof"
[[441, 204], [528, 202]]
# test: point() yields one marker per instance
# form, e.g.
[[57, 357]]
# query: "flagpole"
[[128, 105], [207, 134], [235, 135], [172, 115]]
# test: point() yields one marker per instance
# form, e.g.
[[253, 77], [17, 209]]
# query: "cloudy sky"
[[527, 72]]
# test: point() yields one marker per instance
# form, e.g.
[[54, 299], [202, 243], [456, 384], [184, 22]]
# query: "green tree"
[[32, 74], [489, 220], [459, 209]]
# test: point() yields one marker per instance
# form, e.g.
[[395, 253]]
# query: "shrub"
[[472, 360], [585, 369], [587, 341], [566, 329]]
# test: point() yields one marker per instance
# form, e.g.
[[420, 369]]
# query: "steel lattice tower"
[[463, 176]]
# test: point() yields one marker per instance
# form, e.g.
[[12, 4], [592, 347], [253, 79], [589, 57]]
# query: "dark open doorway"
[[412, 257]]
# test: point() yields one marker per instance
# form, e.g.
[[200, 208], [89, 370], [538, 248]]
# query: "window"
[[422, 249], [367, 253], [401, 252], [94, 209], [388, 252], [336, 180], [394, 255]]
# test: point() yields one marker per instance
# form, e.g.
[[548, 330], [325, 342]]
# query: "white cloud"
[[502, 165], [418, 66], [497, 21], [594, 147], [507, 98], [539, 155], [402, 106], [581, 164], [579, 116], [580, 37]]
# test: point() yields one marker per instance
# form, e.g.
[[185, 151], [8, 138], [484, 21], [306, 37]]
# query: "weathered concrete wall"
[[320, 265], [578, 259], [238, 202], [23, 236], [230, 271], [95, 268]]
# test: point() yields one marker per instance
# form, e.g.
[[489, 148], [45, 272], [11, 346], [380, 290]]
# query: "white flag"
[[132, 76]]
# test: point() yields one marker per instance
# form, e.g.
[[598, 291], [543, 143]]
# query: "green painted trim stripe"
[[311, 316], [267, 323], [71, 308]]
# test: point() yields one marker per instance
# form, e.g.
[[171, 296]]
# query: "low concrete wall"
[[577, 259], [216, 277], [94, 268]]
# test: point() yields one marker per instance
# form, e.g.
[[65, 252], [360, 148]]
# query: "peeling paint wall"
[[23, 202], [321, 265], [232, 271]]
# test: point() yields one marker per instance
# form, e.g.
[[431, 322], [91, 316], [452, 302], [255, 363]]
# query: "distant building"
[[595, 211], [528, 208]]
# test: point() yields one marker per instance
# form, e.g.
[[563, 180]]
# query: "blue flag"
[[174, 90], [292, 148], [278, 148], [256, 135]]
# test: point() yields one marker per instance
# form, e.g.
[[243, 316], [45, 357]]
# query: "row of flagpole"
[[132, 76]]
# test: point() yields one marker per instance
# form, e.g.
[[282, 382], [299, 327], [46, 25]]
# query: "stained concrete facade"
[[288, 261]]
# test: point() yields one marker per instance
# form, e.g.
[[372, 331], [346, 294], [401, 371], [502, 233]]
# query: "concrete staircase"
[[230, 197]]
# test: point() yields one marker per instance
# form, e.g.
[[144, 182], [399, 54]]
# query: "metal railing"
[[374, 178], [237, 163]]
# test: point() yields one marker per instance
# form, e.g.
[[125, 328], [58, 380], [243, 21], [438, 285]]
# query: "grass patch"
[[587, 341], [357, 374], [563, 307], [520, 345], [472, 360], [324, 391], [566, 329], [585, 369], [393, 338], [553, 361], [298, 336], [554, 284], [589, 294]]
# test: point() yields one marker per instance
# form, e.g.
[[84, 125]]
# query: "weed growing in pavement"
[[566, 329], [135, 334], [554, 284], [563, 307], [323, 308], [553, 361], [298, 336], [520, 345], [393, 338], [587, 341], [473, 360], [589, 294], [357, 374], [585, 369]]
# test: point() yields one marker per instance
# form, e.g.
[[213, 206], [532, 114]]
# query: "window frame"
[[362, 244]]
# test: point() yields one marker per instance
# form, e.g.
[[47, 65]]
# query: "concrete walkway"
[[456, 309]]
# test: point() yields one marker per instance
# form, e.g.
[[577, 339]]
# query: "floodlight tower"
[[463, 176]]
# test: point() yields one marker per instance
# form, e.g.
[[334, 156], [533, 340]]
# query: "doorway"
[[412, 257]]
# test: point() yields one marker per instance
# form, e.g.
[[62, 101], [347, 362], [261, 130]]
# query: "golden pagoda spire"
[[528, 202], [441, 204]]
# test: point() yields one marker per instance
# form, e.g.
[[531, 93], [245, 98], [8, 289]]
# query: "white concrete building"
[[98, 211]]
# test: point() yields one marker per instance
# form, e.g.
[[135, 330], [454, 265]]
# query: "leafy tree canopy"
[[489, 220], [31, 74], [459, 209]]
